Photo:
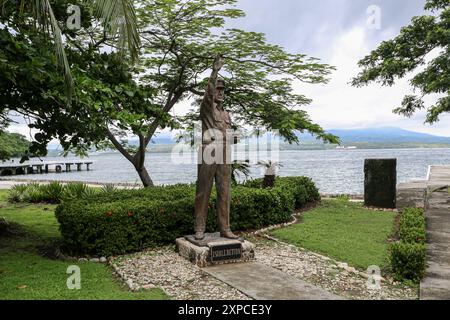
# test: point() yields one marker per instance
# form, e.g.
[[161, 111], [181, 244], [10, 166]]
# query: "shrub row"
[[54, 192], [408, 257], [303, 189], [130, 220]]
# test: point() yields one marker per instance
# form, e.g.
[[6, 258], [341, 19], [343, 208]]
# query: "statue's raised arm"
[[208, 100]]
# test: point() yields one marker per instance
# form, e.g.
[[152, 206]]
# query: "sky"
[[340, 33]]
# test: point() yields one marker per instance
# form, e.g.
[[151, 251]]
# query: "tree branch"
[[118, 146], [170, 104], [195, 91]]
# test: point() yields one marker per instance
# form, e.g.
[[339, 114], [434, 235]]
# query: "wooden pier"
[[12, 169]]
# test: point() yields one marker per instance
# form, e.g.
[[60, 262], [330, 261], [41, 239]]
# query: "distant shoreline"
[[167, 148]]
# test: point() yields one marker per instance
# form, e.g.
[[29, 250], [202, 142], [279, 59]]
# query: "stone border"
[[60, 256], [342, 265], [130, 284], [381, 209], [275, 227], [355, 196]]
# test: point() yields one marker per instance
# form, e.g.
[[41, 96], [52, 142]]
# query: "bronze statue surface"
[[216, 126]]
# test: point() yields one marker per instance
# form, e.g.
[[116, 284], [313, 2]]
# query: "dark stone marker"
[[226, 252], [380, 183]]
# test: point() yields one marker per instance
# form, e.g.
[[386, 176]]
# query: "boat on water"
[[346, 148]]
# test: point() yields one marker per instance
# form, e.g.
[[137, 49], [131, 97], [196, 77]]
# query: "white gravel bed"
[[165, 269], [180, 279], [326, 273]]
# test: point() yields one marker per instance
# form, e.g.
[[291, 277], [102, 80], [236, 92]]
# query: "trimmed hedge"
[[408, 261], [412, 226], [408, 257], [130, 220], [303, 188]]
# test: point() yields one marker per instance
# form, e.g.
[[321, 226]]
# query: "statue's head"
[[220, 91]]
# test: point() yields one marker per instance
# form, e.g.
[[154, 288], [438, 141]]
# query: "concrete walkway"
[[436, 284], [261, 282], [411, 194]]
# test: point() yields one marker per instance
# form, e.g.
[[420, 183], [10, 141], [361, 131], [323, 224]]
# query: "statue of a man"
[[215, 123]]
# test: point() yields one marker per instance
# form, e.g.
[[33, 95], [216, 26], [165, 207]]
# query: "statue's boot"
[[229, 235], [199, 235]]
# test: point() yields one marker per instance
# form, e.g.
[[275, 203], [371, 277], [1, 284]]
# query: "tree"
[[117, 16], [179, 48], [115, 100], [13, 145], [104, 89], [178, 36], [407, 52]]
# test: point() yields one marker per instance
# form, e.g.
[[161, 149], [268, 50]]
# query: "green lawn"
[[24, 274], [344, 231]]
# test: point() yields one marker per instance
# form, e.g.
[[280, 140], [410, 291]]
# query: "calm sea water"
[[334, 171]]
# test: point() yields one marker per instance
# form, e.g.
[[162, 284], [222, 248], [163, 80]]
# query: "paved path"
[[261, 282], [411, 194], [436, 284]]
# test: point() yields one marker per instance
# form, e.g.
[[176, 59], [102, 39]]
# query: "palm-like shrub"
[[32, 193], [77, 190], [52, 192], [271, 168], [108, 188], [16, 193], [239, 168]]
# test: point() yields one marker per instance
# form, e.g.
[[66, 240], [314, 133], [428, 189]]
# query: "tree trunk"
[[145, 177], [269, 181], [138, 160]]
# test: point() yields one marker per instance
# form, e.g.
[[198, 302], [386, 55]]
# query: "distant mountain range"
[[387, 135], [384, 135], [370, 138]]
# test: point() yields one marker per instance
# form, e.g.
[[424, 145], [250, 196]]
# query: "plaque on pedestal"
[[214, 250]]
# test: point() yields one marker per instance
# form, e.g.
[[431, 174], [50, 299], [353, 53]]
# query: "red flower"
[[109, 213], [130, 214]]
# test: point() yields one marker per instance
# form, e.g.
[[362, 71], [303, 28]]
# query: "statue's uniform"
[[214, 119]]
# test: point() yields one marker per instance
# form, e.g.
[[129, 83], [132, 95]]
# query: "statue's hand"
[[218, 62]]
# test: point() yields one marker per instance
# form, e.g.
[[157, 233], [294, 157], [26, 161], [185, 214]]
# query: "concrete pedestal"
[[215, 250]]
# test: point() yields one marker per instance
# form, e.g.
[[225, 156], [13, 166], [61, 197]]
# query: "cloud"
[[338, 105], [336, 31]]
